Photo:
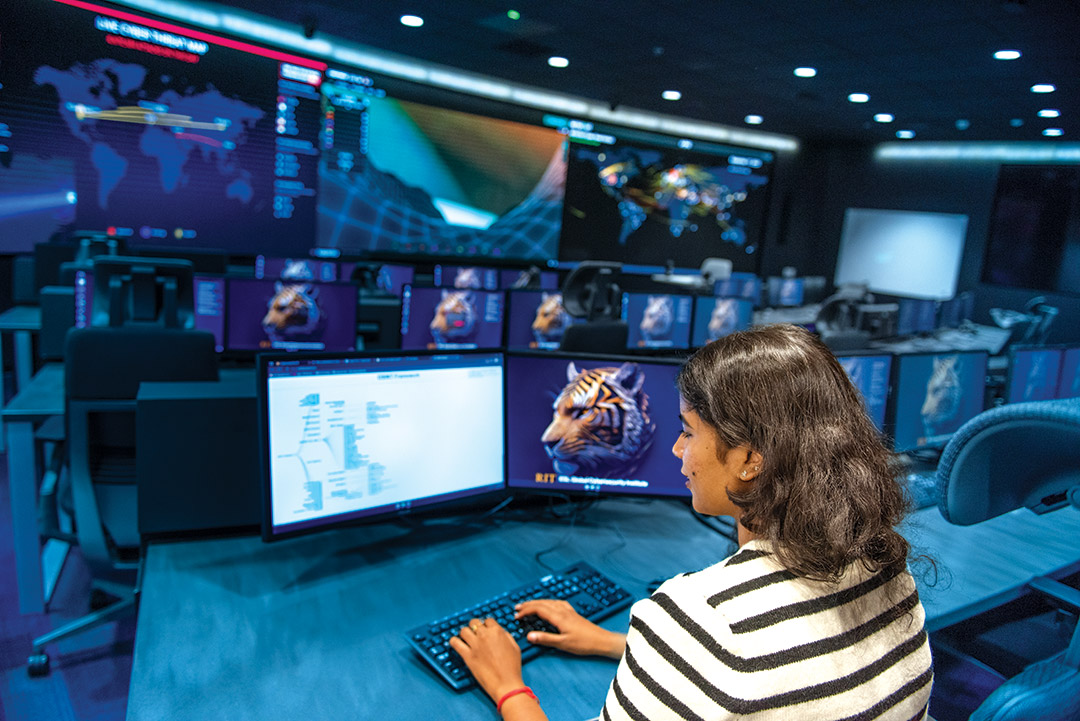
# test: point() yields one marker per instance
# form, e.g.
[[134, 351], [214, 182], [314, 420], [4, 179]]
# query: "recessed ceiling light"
[[884, 117], [1049, 113], [754, 120], [513, 14], [671, 95], [1053, 132], [556, 61], [963, 124], [1007, 54], [905, 134], [1043, 88], [1016, 122], [859, 98], [806, 72], [412, 21]]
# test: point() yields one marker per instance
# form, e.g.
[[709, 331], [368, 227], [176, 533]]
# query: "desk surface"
[[21, 317], [313, 627], [42, 397]]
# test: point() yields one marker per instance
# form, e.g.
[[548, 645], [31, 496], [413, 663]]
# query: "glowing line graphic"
[[135, 114]]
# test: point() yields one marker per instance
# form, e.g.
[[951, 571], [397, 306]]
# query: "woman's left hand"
[[492, 655]]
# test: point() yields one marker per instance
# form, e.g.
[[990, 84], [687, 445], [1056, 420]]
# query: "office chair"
[[591, 293], [1021, 455], [103, 369]]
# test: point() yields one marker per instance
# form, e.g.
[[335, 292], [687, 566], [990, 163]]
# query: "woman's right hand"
[[576, 634]]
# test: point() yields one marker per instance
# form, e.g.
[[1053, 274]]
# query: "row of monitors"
[[1040, 374], [340, 431], [167, 136], [259, 314]]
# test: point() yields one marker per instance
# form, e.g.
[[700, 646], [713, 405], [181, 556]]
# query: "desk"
[[22, 321], [40, 398], [313, 627]]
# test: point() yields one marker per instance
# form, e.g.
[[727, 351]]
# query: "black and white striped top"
[[748, 639]]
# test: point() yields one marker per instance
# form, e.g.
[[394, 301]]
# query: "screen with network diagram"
[[350, 437]]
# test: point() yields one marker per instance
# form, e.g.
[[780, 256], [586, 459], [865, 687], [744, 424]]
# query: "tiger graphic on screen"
[[293, 312], [724, 319], [600, 426], [455, 317], [658, 318], [551, 320], [941, 407]]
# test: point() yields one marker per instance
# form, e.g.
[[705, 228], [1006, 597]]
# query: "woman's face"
[[709, 473]]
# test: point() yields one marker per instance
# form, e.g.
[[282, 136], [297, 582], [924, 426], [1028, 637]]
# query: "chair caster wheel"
[[37, 665]]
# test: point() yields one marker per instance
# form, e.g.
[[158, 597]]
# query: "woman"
[[815, 616]]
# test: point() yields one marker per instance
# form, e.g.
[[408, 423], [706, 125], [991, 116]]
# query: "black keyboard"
[[592, 594]]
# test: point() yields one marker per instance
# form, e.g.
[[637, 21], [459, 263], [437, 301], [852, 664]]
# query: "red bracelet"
[[510, 694]]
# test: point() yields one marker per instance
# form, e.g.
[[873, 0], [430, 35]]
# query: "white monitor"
[[901, 252]]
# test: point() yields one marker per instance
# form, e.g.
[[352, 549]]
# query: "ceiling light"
[[513, 14], [806, 72], [1049, 113], [905, 134], [412, 21], [1016, 122], [884, 118], [754, 120], [1007, 54], [556, 61], [671, 95], [1053, 132], [1043, 88], [963, 124], [859, 98]]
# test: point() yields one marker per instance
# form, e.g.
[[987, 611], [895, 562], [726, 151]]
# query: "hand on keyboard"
[[573, 633], [491, 654]]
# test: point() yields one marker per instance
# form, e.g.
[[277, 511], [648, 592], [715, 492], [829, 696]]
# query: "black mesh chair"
[[103, 369], [1023, 455], [590, 293]]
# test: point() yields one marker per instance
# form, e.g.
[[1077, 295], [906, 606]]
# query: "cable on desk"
[[577, 508]]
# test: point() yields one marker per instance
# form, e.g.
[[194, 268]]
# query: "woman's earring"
[[744, 474]]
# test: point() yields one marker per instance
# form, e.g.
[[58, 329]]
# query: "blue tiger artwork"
[[455, 317], [600, 425], [293, 312], [658, 318], [551, 319], [941, 406], [724, 319]]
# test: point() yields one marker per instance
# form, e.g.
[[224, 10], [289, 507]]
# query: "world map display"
[[99, 101]]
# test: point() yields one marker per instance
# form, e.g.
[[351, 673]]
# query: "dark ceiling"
[[928, 62]]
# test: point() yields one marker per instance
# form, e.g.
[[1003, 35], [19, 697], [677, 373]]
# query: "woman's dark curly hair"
[[827, 493]]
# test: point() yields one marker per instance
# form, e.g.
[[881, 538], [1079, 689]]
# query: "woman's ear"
[[751, 463]]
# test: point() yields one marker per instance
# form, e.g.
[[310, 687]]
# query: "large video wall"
[[169, 136]]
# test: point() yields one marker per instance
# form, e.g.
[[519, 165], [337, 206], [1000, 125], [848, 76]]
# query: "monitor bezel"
[[580, 493], [894, 395], [470, 499], [1006, 390]]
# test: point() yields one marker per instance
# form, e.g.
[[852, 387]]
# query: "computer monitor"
[[717, 317], [352, 437], [592, 424], [657, 320], [528, 280], [402, 178], [313, 269], [1069, 378], [449, 318], [955, 311], [740, 285], [934, 395], [465, 276], [916, 316], [157, 133], [142, 290], [870, 375], [535, 319], [901, 252], [280, 315], [209, 304], [785, 292], [1033, 374]]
